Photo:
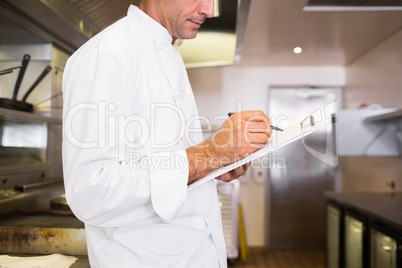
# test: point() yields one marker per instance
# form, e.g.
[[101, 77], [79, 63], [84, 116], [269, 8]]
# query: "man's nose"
[[207, 8]]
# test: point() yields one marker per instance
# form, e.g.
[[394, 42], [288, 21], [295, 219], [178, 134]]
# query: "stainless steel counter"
[[29, 226], [383, 206], [42, 234]]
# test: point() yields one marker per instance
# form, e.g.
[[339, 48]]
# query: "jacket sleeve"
[[102, 188]]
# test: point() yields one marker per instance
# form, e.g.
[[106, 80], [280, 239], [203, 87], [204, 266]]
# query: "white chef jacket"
[[129, 113]]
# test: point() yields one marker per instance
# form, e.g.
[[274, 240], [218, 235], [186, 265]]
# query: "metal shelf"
[[25, 116], [394, 119]]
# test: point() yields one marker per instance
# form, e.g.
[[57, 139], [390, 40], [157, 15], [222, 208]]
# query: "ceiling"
[[275, 27], [270, 31]]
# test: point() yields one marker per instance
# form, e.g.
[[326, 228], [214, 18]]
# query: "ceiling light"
[[297, 50]]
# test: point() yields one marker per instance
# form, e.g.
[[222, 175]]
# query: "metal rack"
[[228, 194]]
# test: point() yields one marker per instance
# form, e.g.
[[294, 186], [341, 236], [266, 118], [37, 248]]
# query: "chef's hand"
[[234, 174], [240, 135]]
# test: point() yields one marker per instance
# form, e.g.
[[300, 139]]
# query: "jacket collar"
[[155, 30]]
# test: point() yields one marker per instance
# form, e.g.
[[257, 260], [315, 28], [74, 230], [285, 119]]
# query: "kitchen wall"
[[375, 79], [376, 76], [221, 90]]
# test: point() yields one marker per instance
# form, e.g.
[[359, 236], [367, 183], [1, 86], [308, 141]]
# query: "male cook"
[[130, 148]]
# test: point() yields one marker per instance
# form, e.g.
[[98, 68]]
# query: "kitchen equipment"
[[38, 80], [34, 216], [301, 172], [60, 203], [42, 232], [228, 194], [13, 103], [21, 74], [9, 70], [365, 229]]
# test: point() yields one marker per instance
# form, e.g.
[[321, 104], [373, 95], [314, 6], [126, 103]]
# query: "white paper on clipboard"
[[278, 139]]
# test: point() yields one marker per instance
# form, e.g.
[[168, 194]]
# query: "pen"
[[272, 127]]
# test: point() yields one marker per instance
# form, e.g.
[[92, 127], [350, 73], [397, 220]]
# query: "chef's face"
[[183, 18]]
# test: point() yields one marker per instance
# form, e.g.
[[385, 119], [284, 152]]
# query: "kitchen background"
[[360, 52], [357, 53]]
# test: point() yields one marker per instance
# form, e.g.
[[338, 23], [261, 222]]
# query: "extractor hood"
[[70, 23], [353, 5]]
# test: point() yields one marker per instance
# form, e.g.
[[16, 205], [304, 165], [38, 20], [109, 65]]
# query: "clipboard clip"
[[308, 121]]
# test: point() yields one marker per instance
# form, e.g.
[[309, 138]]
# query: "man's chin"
[[190, 35]]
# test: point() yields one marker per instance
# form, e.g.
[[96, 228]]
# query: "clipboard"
[[293, 132]]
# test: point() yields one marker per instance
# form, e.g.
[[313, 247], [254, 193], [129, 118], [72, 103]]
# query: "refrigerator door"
[[305, 171], [353, 242], [333, 234], [383, 250]]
